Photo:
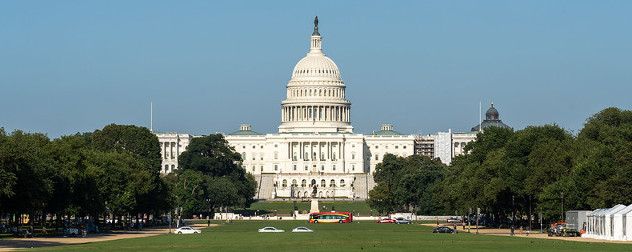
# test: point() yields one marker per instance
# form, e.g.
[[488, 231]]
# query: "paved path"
[[534, 234], [36, 242]]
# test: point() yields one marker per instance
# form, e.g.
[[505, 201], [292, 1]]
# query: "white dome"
[[318, 65]]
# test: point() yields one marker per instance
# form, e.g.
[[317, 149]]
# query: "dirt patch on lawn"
[[38, 242], [532, 234]]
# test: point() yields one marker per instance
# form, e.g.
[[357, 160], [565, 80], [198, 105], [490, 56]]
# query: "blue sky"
[[208, 66]]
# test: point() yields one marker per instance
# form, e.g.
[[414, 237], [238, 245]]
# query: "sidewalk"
[[533, 234], [36, 242]]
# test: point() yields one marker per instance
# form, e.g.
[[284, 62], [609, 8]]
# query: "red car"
[[387, 220]]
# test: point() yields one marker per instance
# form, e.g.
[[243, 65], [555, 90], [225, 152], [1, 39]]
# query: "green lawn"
[[286, 208], [357, 236]]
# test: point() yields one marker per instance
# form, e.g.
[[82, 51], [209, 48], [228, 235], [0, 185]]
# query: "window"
[[332, 183], [303, 183], [166, 168], [352, 156], [253, 146], [253, 168], [322, 167], [306, 167], [404, 146], [261, 155], [377, 147], [353, 167], [322, 183], [377, 157], [294, 156], [334, 167], [173, 167], [276, 155], [276, 167], [294, 183], [262, 168], [396, 147], [295, 167], [275, 145], [261, 146], [333, 156], [342, 183], [284, 183]]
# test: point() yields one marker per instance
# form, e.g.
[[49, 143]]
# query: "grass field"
[[286, 208], [357, 236]]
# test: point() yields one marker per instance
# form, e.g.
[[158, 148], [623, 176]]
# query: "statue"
[[316, 22]]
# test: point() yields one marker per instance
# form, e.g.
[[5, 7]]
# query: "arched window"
[[322, 183], [276, 155], [285, 183], [166, 168], [332, 183], [243, 155], [261, 155], [294, 182], [173, 167], [313, 182], [303, 183], [342, 183]]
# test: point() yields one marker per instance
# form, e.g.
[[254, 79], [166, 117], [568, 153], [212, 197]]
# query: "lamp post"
[[530, 213], [208, 213], [562, 193], [513, 214]]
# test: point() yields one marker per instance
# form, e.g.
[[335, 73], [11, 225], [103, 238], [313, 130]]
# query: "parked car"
[[454, 220], [270, 230], [187, 230], [386, 220], [443, 230], [302, 229], [402, 221]]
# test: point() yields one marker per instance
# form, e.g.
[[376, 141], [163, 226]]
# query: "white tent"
[[594, 225], [601, 223], [622, 224]]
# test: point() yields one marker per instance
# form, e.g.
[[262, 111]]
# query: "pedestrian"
[[208, 223]]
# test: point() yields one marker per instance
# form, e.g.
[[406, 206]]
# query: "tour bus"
[[330, 217]]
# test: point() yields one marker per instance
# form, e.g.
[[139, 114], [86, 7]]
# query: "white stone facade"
[[443, 145], [171, 146]]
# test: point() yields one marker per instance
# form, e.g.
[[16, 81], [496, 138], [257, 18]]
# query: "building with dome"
[[315, 153], [491, 119]]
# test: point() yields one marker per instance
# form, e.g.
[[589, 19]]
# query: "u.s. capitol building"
[[315, 153]]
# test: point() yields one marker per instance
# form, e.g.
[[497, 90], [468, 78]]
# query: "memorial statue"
[[316, 33]]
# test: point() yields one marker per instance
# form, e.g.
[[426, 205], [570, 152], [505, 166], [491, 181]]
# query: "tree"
[[211, 173]]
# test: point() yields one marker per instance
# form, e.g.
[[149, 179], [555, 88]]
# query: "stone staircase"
[[362, 184], [265, 186]]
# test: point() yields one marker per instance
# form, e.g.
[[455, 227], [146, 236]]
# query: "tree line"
[[113, 173], [537, 170]]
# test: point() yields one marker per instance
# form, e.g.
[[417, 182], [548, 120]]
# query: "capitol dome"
[[316, 65], [316, 94]]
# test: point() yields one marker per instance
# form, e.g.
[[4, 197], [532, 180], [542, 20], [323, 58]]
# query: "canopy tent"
[[622, 224], [602, 223]]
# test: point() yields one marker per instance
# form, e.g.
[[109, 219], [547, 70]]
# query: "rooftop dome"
[[316, 66], [491, 114]]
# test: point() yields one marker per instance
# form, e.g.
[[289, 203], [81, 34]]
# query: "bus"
[[331, 217]]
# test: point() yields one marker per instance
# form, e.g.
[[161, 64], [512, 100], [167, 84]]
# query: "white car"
[[270, 230], [187, 230], [302, 229]]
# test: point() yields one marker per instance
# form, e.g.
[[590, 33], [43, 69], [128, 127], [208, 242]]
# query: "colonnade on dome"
[[318, 113]]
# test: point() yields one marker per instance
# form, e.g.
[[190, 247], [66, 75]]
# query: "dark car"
[[443, 230]]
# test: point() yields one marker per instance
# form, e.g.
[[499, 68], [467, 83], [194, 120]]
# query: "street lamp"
[[208, 213], [562, 193]]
